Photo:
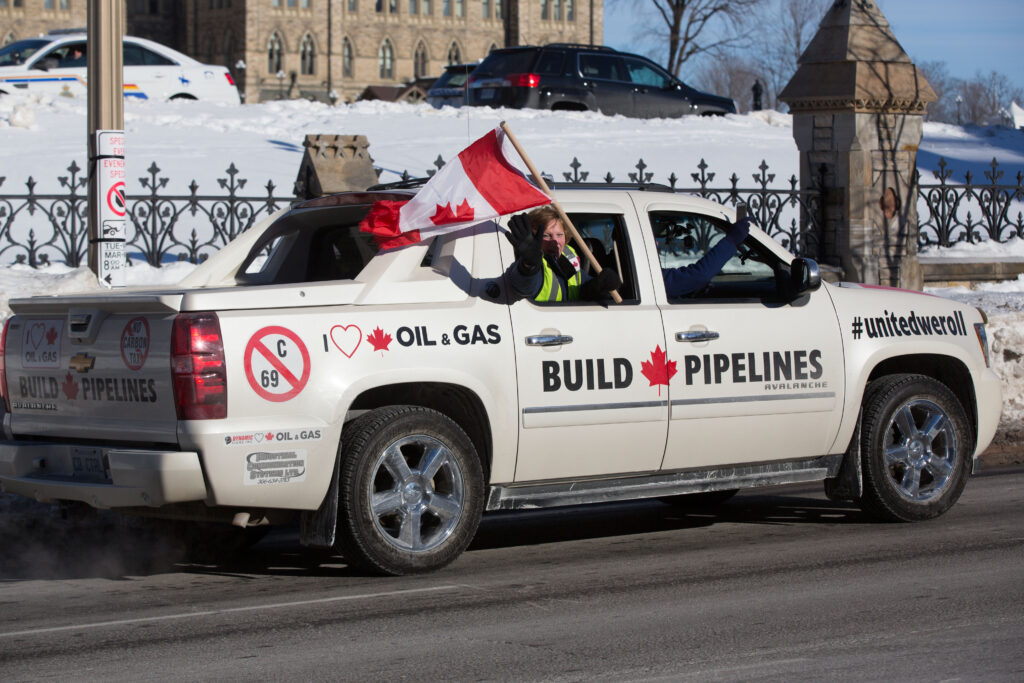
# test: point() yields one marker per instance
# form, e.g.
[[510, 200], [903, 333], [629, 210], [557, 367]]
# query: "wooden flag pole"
[[558, 207]]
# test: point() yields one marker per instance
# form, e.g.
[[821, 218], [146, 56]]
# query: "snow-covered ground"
[[40, 137]]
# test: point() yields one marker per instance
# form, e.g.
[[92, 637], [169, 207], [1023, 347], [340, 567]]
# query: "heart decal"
[[35, 334], [347, 338]]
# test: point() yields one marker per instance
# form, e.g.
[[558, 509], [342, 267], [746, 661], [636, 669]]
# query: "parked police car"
[[390, 398], [55, 64]]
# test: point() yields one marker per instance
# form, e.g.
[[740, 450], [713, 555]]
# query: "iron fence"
[[37, 229], [972, 212]]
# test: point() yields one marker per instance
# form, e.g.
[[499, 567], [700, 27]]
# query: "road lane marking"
[[229, 610]]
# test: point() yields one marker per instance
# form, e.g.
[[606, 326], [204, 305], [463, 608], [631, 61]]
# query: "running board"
[[656, 485]]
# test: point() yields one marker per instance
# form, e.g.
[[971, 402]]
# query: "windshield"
[[19, 51]]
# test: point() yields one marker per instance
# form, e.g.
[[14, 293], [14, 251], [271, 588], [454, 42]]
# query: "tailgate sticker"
[[41, 342], [276, 364], [135, 343]]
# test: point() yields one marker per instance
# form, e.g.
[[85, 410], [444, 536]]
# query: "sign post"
[[107, 205]]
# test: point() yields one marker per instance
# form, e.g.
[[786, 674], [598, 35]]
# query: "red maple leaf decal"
[[70, 387], [658, 371], [270, 436], [51, 336], [444, 215], [380, 339]]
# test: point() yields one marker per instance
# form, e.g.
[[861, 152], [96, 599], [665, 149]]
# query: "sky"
[[970, 36]]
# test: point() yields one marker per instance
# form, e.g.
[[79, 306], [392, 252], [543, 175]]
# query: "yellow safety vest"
[[552, 288]]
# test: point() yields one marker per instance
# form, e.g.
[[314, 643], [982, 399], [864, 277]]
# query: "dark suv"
[[586, 77]]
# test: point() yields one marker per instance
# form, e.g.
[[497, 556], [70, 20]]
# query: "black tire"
[[411, 491], [916, 445], [706, 500]]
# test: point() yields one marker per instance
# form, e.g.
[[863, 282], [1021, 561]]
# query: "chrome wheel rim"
[[416, 493], [920, 450]]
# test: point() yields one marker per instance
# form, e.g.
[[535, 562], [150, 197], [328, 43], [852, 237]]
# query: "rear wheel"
[[411, 491], [916, 446]]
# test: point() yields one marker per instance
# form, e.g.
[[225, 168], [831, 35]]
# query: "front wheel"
[[411, 491], [916, 445]]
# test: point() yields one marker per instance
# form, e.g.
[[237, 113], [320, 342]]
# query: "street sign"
[[110, 196]]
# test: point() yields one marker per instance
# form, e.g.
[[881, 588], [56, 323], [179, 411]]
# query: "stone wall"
[[29, 18]]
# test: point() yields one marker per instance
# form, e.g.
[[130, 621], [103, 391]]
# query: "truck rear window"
[[303, 253]]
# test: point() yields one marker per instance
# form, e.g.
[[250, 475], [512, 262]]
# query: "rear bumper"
[[110, 477]]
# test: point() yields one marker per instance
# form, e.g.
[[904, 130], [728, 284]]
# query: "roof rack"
[[583, 46], [65, 31], [643, 187], [399, 184]]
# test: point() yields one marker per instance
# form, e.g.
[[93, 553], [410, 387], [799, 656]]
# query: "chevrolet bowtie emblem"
[[82, 362]]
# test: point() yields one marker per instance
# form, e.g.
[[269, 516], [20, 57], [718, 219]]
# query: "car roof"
[[73, 35]]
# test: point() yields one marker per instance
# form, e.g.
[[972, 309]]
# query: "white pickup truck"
[[390, 398]]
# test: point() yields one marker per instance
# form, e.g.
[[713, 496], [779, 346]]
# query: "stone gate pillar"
[[858, 104]]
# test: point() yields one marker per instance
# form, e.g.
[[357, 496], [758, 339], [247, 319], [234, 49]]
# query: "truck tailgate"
[[92, 367]]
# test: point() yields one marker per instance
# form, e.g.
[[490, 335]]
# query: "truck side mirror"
[[805, 275]]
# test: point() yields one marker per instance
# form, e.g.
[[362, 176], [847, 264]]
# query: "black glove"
[[606, 281], [738, 231], [525, 244]]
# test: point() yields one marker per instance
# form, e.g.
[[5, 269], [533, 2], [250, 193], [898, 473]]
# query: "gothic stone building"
[[328, 49]]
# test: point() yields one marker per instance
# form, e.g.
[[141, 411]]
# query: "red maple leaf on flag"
[[70, 387], [658, 371], [51, 336], [380, 339], [444, 215]]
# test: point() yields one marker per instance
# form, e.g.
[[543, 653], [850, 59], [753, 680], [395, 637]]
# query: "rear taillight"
[[198, 368], [523, 80], [3, 368], [227, 75]]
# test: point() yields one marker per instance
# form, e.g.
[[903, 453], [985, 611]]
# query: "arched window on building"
[[570, 10], [393, 6], [498, 10], [446, 7], [307, 55], [454, 54], [274, 50], [8, 39], [485, 9], [346, 58], [386, 59], [414, 7], [419, 61], [492, 48], [545, 9], [210, 49], [426, 8], [352, 6], [228, 51], [558, 9], [460, 8]]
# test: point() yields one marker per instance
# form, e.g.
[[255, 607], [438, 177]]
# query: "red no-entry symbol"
[[115, 199], [276, 363]]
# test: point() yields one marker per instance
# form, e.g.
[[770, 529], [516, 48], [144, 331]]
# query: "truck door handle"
[[548, 340], [696, 336]]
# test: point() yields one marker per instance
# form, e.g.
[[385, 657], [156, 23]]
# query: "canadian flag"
[[478, 185]]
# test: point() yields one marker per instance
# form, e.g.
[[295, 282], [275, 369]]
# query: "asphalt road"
[[782, 587]]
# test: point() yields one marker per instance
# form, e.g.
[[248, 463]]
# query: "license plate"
[[88, 464], [487, 94]]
